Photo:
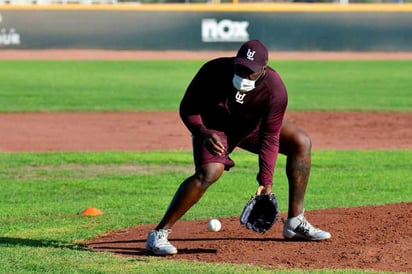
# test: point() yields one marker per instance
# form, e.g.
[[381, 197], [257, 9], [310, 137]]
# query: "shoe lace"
[[162, 236], [305, 227]]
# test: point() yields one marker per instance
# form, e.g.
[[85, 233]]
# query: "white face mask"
[[243, 84]]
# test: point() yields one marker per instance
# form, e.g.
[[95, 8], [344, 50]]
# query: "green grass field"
[[28, 86], [42, 193]]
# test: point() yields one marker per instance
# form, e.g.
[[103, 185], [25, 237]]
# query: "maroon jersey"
[[211, 102]]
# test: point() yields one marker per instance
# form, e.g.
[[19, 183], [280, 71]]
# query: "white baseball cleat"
[[158, 244], [299, 228]]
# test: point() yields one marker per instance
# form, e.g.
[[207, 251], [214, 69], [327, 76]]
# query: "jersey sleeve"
[[271, 126], [190, 106]]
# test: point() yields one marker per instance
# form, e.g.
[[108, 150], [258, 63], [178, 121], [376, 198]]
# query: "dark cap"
[[253, 55]]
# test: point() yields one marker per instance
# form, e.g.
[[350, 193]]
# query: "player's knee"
[[209, 174], [303, 143]]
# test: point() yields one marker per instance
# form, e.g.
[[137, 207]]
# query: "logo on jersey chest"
[[239, 97]]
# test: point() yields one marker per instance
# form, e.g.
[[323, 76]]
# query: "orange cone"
[[91, 211]]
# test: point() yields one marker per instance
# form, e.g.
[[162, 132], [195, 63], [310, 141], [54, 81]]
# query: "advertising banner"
[[204, 30]]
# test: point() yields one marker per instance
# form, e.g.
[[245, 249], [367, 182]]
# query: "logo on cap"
[[253, 55], [250, 55]]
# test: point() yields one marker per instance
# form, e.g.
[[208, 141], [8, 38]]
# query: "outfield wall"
[[283, 27]]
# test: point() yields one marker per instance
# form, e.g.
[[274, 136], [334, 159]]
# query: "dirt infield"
[[142, 131], [91, 54], [375, 238]]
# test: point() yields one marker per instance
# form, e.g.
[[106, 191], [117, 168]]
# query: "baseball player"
[[240, 102]]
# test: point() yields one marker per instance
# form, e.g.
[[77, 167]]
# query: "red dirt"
[[93, 54], [375, 238], [142, 131]]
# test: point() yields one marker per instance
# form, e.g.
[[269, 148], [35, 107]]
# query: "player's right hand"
[[264, 190], [214, 144]]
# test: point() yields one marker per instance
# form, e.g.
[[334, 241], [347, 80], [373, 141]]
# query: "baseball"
[[214, 225]]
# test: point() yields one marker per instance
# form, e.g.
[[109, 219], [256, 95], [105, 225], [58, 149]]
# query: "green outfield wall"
[[283, 27]]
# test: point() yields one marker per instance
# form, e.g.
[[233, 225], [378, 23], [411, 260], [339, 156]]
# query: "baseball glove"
[[260, 213]]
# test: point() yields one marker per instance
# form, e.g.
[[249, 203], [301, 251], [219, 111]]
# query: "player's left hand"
[[260, 213]]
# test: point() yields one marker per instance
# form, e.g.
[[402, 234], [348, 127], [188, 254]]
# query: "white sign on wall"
[[8, 37], [224, 30]]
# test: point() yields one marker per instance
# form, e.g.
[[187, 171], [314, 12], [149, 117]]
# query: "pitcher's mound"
[[376, 238]]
